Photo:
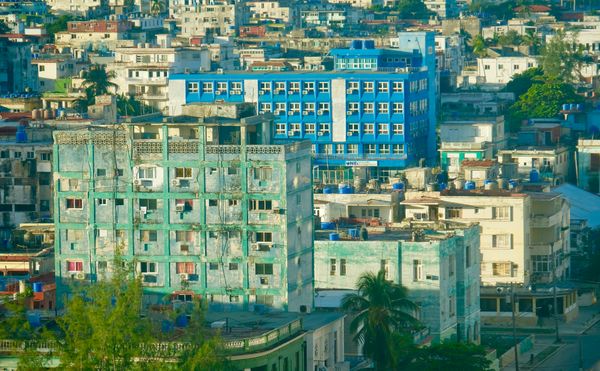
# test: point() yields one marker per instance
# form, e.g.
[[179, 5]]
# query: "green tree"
[[157, 7], [13, 319], [97, 81], [511, 37], [4, 27], [562, 57], [129, 106], [450, 355], [412, 9], [542, 100], [381, 310], [521, 82], [479, 46], [59, 24], [102, 322]]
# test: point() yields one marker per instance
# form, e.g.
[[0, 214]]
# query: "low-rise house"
[[501, 69], [437, 262], [96, 34]]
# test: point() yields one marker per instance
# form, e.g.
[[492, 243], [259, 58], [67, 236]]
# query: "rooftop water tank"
[[512, 184], [442, 186], [353, 233], [327, 225], [398, 186], [328, 190], [356, 44], [38, 287], [459, 183], [334, 236], [369, 44], [469, 185], [534, 176], [21, 136]]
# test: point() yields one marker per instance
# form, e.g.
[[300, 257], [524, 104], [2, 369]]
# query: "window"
[[148, 267], [263, 268], [295, 108], [451, 265], [74, 234], [30, 155], [74, 203], [294, 87], [383, 108], [501, 241], [279, 87], [339, 149], [213, 266], [185, 268], [384, 149], [468, 256], [184, 236], [323, 109], [540, 263], [324, 129], [309, 87], [353, 128], [17, 154], [265, 87], [502, 269], [148, 236], [183, 172], [342, 267], [397, 86], [45, 156], [353, 108], [352, 149], [119, 172], [323, 87], [5, 154], [368, 108], [417, 270], [398, 108], [369, 129], [383, 87], [233, 266], [265, 107], [453, 212], [332, 267], [398, 149], [261, 205], [119, 202], [264, 237], [486, 67], [309, 128], [383, 129], [263, 173], [101, 201], [309, 108], [146, 172], [207, 87], [221, 87], [236, 88], [192, 87], [74, 266], [264, 300], [398, 129], [148, 203], [368, 87], [502, 212], [102, 266], [370, 149]]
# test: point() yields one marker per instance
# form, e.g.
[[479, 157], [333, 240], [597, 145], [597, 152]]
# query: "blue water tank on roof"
[[369, 44], [356, 44]]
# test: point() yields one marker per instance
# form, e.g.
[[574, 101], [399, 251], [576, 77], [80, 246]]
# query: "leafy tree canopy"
[[450, 355], [543, 101], [562, 57], [412, 9], [59, 24], [521, 82], [4, 27]]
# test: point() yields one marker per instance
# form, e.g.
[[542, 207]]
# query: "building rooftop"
[[584, 205]]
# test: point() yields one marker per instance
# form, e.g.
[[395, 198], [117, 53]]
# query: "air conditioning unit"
[[175, 182], [262, 92], [232, 92], [179, 208], [304, 92], [320, 112], [137, 182], [320, 134], [305, 113], [183, 276], [277, 210], [291, 92], [350, 91], [350, 133], [218, 92], [290, 113], [254, 247], [79, 276], [350, 113], [143, 210], [291, 133]]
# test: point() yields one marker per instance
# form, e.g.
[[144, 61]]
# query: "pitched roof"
[[584, 205]]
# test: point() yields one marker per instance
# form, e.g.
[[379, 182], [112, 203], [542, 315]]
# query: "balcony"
[[355, 157], [464, 145], [545, 220]]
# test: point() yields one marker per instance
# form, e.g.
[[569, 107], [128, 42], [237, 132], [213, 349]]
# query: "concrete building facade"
[[204, 203]]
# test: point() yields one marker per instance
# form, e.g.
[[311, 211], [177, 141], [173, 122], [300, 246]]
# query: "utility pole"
[[514, 325], [554, 294]]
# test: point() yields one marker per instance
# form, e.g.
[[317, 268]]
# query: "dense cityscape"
[[312, 185]]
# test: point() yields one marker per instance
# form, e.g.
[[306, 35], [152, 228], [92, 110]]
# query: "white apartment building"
[[443, 8], [523, 235], [449, 52], [220, 19], [521, 26], [144, 71], [359, 3], [552, 163], [78, 7], [271, 10], [500, 70], [50, 70]]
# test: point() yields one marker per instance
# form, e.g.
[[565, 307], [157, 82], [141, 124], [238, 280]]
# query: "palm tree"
[[97, 80], [382, 311], [157, 7]]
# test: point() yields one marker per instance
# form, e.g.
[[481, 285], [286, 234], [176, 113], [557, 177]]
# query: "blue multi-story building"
[[375, 110]]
